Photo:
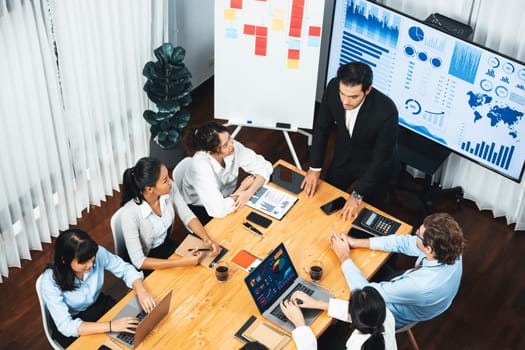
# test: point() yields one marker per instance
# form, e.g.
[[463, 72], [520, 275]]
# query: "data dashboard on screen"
[[463, 96]]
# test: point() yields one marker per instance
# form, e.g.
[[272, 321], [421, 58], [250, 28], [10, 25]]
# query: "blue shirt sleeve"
[[405, 244], [56, 304], [354, 277]]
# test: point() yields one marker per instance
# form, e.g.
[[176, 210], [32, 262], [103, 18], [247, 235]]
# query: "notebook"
[[246, 260], [147, 321], [192, 242], [275, 279]]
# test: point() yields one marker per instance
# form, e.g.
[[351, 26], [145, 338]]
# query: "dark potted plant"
[[169, 87]]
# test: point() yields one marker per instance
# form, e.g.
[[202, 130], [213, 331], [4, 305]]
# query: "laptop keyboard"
[[277, 309], [129, 338]]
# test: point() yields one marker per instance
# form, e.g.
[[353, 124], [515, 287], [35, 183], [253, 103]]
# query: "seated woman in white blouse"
[[72, 288], [210, 184], [374, 324], [149, 202]]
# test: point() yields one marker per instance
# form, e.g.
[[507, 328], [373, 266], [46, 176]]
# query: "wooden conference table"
[[205, 314]]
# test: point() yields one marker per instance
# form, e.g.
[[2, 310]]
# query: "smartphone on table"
[[334, 205]]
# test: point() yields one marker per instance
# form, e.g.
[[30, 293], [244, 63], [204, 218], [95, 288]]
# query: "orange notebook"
[[246, 260]]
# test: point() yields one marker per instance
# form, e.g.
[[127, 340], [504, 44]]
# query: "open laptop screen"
[[271, 278]]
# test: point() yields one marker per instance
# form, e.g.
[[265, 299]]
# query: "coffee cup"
[[316, 270], [221, 271]]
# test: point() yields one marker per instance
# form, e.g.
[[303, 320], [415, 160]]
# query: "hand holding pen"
[[199, 249]]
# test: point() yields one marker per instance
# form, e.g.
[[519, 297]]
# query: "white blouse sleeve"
[[338, 308], [252, 162], [304, 338]]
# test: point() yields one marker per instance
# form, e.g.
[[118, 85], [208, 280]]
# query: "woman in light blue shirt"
[[71, 288]]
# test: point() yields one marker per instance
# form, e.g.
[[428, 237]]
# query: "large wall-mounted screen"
[[463, 96]]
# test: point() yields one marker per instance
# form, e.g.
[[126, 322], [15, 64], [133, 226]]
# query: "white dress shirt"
[[351, 117], [207, 183], [139, 230]]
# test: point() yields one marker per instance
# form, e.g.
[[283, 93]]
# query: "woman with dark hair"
[[149, 202], [373, 323], [71, 288], [210, 184]]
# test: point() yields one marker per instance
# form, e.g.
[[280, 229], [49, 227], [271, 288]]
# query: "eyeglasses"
[[424, 241]]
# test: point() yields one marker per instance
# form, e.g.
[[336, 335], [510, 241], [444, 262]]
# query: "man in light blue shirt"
[[424, 291]]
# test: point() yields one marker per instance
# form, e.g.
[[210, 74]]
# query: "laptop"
[[275, 279], [146, 321]]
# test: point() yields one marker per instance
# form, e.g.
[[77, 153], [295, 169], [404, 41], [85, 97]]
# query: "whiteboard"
[[266, 61]]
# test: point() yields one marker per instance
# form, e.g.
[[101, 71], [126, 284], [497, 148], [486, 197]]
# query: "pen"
[[251, 228], [199, 249]]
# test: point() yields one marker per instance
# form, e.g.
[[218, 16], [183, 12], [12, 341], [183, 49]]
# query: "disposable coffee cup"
[[221, 271], [316, 270]]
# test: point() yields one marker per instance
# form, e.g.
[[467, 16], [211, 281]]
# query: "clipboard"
[[192, 242]]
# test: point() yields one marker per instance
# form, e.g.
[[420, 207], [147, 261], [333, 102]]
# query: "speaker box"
[[450, 26]]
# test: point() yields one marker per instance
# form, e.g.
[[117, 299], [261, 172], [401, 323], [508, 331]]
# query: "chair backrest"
[[408, 329], [179, 172], [46, 317], [118, 237]]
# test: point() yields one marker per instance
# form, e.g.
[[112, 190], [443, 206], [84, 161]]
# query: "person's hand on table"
[[306, 300], [215, 247], [125, 324], [240, 198], [340, 246], [311, 182], [292, 311], [191, 259], [146, 300], [351, 208]]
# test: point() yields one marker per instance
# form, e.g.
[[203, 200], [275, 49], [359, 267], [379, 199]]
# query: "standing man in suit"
[[365, 152]]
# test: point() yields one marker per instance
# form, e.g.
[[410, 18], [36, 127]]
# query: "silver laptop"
[[146, 321], [275, 279]]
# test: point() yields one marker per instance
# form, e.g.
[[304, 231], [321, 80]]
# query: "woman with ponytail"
[[373, 323], [210, 185], [149, 202]]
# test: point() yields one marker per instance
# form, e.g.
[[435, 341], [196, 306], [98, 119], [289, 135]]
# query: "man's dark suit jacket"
[[370, 156]]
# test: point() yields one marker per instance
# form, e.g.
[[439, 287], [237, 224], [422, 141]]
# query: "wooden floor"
[[488, 312]]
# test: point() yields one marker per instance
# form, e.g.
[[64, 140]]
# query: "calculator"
[[375, 223]]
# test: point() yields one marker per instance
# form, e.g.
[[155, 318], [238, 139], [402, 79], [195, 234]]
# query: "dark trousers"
[[91, 314], [163, 251], [201, 213], [375, 197], [335, 336]]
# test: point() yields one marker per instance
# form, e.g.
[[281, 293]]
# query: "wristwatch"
[[356, 196]]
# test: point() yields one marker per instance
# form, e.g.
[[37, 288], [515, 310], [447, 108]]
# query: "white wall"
[[191, 26]]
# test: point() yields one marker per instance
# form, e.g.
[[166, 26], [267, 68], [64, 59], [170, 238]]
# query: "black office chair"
[[427, 156]]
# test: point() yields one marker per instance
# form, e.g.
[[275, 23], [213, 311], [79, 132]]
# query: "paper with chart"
[[272, 201]]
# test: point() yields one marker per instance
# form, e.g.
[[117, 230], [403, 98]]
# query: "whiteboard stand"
[[286, 137]]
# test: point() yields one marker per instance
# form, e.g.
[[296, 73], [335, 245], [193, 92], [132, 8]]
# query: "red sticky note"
[[314, 31]]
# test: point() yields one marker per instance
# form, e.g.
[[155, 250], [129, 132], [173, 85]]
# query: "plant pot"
[[169, 157]]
